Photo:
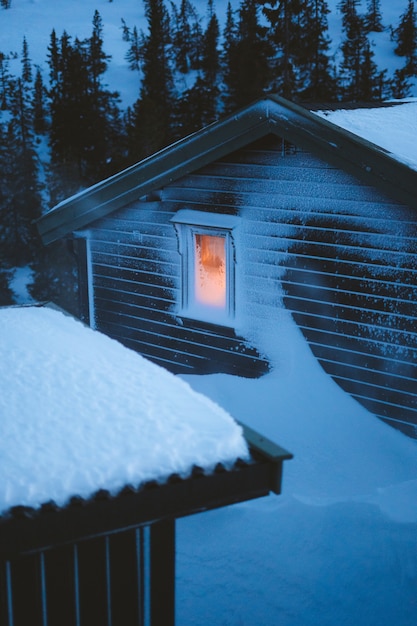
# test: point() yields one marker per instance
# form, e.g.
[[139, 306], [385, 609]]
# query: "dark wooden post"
[[162, 565]]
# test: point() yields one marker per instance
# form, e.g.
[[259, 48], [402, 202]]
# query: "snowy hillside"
[[35, 19]]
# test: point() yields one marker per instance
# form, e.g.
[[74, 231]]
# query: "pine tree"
[[181, 35], [4, 82], [373, 17], [316, 80], [400, 85], [360, 77], [134, 55], [286, 32], [39, 104], [85, 119], [248, 69], [150, 120], [210, 57], [199, 105], [26, 64], [23, 201], [406, 38]]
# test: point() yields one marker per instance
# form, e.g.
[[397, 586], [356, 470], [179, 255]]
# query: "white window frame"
[[188, 224]]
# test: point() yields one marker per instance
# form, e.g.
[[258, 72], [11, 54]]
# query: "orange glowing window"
[[210, 270], [206, 243]]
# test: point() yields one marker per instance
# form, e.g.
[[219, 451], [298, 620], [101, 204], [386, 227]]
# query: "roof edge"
[[271, 114]]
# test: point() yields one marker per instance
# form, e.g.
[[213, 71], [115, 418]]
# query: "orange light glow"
[[210, 270]]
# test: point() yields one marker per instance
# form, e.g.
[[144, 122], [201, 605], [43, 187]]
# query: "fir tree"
[[26, 64], [22, 198], [316, 81], [4, 82], [406, 38], [400, 84], [85, 120], [150, 120], [247, 73], [199, 105], [98, 59], [286, 34], [210, 57], [181, 35], [360, 77], [134, 55], [39, 104], [373, 17], [126, 31]]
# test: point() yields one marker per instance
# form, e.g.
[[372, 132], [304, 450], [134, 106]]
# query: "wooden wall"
[[337, 254], [136, 269]]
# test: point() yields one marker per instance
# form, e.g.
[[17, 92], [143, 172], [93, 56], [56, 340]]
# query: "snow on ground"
[[393, 128], [19, 283], [338, 547], [80, 412]]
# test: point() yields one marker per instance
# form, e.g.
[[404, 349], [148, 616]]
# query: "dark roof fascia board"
[[24, 530], [271, 115], [371, 163], [154, 172]]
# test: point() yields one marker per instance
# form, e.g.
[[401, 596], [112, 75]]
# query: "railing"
[[110, 560], [121, 579]]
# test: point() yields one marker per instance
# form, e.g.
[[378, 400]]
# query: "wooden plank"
[[60, 587], [93, 582], [132, 274], [162, 574], [125, 589], [368, 368], [174, 349], [80, 248], [363, 310], [344, 330], [352, 343], [26, 591]]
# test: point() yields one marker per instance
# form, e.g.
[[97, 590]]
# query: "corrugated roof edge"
[[25, 529], [270, 115]]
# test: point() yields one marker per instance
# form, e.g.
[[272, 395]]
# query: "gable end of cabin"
[[285, 231]]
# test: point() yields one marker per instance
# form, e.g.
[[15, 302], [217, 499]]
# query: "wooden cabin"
[[191, 256]]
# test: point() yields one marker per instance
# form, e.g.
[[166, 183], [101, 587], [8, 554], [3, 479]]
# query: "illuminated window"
[[207, 247]]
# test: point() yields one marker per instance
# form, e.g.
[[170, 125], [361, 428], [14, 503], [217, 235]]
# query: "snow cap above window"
[[203, 218]]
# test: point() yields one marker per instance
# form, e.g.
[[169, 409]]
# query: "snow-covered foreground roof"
[[80, 412], [394, 128]]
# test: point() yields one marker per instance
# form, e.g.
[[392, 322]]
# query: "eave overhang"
[[24, 530], [271, 115]]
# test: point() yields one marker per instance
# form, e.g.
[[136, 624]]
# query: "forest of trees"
[[264, 46]]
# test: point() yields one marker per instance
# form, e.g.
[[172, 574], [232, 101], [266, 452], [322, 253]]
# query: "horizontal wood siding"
[[135, 265], [337, 254]]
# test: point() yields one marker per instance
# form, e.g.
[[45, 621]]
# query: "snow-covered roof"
[[80, 412], [270, 115], [393, 127]]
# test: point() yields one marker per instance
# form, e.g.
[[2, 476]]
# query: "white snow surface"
[[338, 546], [393, 128], [80, 412]]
